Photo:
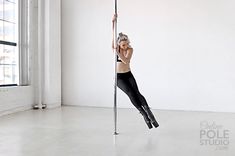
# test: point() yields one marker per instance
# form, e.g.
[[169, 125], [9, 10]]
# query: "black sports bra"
[[118, 60]]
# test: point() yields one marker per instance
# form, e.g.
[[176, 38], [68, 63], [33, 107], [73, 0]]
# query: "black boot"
[[147, 120], [151, 116]]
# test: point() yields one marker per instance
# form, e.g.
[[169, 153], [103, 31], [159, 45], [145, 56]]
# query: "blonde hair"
[[122, 37]]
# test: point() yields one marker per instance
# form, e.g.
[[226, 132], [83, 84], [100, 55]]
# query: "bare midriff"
[[122, 67]]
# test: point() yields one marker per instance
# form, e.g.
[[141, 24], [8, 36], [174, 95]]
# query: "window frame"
[[9, 43], [23, 44], [23, 41]]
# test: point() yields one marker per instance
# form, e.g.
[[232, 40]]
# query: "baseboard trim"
[[15, 110], [53, 105], [28, 107]]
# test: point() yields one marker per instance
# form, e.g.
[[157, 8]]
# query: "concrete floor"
[[88, 131]]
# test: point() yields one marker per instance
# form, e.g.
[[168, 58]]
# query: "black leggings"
[[127, 83]]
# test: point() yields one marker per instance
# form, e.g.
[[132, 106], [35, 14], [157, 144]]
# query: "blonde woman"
[[125, 79]]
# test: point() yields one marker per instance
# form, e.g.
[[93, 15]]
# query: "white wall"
[[183, 53]]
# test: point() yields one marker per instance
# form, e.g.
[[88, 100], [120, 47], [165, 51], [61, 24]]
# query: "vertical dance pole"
[[115, 74]]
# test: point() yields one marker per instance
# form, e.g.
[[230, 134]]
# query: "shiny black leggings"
[[127, 83]]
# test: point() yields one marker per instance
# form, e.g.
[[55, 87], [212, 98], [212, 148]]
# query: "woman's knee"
[[132, 94]]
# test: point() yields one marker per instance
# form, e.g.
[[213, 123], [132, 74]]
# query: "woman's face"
[[124, 45]]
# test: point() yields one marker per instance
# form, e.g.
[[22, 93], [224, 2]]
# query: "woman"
[[125, 79]]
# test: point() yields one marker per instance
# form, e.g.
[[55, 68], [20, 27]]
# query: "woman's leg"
[[133, 83], [142, 99], [125, 86]]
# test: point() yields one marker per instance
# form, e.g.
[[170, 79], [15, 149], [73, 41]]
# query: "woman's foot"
[[146, 119], [151, 116]]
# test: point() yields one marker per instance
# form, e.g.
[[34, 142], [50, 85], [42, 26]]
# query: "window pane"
[[9, 55], [9, 11], [9, 32], [8, 65], [8, 75], [13, 1], [1, 9], [1, 30]]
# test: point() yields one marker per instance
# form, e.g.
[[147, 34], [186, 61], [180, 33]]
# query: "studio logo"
[[212, 134]]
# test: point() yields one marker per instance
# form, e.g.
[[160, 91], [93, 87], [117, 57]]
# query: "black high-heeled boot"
[[146, 119], [151, 116]]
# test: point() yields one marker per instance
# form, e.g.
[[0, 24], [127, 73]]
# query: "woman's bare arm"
[[126, 59], [114, 19]]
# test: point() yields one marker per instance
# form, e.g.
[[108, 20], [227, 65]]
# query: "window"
[[9, 49]]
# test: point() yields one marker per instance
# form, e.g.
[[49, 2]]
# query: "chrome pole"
[[115, 74]]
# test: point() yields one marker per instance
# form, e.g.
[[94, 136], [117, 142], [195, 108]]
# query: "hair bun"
[[122, 37]]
